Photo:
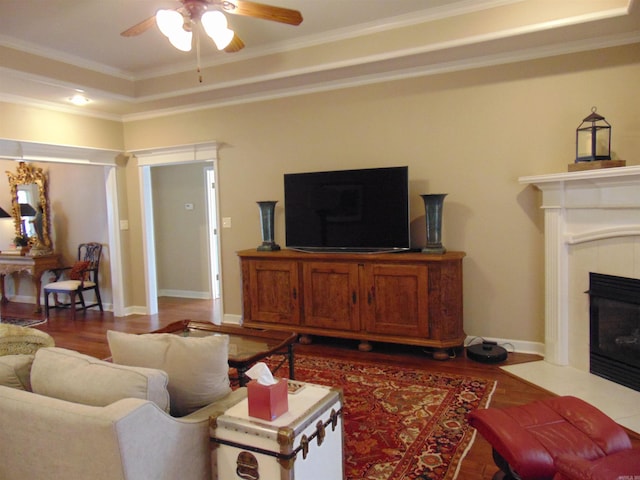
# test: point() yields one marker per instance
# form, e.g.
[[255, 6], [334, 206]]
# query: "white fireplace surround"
[[592, 224]]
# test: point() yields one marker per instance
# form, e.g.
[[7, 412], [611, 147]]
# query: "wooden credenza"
[[407, 298], [34, 266]]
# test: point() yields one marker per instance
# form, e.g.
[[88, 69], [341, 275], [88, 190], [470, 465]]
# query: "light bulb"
[[79, 99]]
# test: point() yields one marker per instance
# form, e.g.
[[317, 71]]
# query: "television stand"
[[411, 299]]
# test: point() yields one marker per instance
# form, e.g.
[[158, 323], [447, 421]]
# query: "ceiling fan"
[[178, 24]]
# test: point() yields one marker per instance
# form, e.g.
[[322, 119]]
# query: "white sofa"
[[47, 438]]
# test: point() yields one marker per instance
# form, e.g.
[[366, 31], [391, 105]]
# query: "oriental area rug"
[[400, 423]]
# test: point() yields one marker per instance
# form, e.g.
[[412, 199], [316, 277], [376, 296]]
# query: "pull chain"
[[198, 55]]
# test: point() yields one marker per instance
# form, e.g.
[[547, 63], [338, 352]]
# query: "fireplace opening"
[[615, 328]]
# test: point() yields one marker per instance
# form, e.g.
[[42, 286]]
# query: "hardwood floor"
[[87, 335]]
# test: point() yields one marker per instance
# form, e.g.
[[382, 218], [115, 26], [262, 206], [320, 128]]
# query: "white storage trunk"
[[306, 443]]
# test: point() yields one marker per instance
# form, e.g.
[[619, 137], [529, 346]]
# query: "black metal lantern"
[[593, 139]]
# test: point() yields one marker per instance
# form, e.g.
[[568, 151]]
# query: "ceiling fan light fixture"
[[215, 25], [223, 39], [213, 20], [79, 99], [169, 22], [181, 40]]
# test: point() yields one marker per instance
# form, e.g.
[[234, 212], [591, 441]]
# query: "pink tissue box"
[[268, 402]]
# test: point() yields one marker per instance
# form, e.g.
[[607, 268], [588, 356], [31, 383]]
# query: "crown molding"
[[39, 152]]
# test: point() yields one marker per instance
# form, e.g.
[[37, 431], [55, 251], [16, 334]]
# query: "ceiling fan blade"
[[265, 12], [235, 45], [139, 28]]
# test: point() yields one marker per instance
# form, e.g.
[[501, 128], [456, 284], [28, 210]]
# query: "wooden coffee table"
[[246, 345]]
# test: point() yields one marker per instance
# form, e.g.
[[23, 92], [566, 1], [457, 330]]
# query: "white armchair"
[[47, 438]]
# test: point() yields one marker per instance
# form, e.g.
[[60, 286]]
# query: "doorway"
[[200, 153]]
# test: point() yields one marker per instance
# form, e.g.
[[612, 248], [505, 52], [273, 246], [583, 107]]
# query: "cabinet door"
[[331, 295], [445, 301], [273, 292], [395, 299]]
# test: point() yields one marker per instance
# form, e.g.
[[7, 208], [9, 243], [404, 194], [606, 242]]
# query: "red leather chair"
[[527, 439], [618, 466]]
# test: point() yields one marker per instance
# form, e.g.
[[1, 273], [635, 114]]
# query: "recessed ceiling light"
[[79, 99]]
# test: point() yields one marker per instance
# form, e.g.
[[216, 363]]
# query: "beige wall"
[[181, 234], [30, 124], [470, 134]]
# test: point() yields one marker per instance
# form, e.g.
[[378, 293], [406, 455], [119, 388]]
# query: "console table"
[[407, 298], [35, 266]]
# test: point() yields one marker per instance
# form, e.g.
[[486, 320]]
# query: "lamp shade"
[[215, 25], [181, 40], [171, 24], [169, 21]]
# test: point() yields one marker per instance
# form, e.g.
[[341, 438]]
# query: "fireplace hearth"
[[614, 312]]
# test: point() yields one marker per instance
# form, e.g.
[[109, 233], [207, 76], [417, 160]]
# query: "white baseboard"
[[232, 319], [135, 310], [184, 294], [517, 346]]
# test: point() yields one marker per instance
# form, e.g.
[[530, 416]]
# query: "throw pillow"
[[15, 371], [22, 340], [78, 271], [72, 376], [198, 367]]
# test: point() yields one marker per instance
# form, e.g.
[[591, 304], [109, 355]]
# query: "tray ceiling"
[[51, 48]]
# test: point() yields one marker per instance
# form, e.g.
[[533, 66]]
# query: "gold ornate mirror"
[[30, 207]]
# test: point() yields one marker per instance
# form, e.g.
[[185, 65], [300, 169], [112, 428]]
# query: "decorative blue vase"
[[267, 217], [433, 205]]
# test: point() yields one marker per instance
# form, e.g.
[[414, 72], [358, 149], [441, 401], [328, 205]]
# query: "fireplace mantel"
[[603, 188], [580, 207]]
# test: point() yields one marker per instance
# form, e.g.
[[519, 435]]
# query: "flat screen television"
[[364, 210]]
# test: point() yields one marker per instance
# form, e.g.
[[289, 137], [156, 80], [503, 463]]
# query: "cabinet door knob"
[[354, 298], [295, 294]]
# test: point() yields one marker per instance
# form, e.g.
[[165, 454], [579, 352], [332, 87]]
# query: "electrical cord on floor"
[[482, 340], [513, 349]]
